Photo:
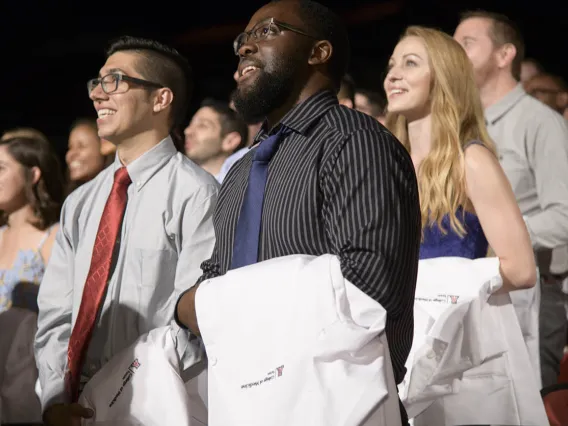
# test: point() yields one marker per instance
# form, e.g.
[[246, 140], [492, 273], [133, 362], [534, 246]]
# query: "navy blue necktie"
[[247, 234]]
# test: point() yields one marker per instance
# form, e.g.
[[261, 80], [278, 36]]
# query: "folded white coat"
[[141, 386], [291, 342], [469, 363]]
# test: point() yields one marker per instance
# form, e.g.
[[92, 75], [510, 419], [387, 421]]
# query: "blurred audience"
[[31, 195], [550, 90], [85, 158], [214, 134], [371, 103], [529, 68], [346, 94], [25, 132]]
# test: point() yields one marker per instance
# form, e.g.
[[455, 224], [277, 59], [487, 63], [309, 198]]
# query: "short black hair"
[[324, 24], [164, 65], [229, 119]]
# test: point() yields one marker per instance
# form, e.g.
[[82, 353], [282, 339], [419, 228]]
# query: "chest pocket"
[[157, 287]]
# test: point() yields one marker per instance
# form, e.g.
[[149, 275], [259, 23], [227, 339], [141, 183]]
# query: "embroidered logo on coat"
[[126, 378], [273, 374]]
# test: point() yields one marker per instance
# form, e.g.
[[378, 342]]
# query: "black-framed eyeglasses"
[[110, 83], [265, 30]]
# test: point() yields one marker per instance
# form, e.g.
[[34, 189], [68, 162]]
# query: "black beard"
[[269, 92]]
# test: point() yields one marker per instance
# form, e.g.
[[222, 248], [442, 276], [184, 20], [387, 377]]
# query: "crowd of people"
[[465, 154]]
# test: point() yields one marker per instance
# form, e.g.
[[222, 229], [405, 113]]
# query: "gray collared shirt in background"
[[532, 143], [166, 233]]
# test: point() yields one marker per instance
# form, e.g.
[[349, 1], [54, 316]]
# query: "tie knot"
[[121, 177], [267, 148]]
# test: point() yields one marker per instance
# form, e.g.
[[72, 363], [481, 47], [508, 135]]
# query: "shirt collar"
[[302, 116], [499, 109], [145, 166]]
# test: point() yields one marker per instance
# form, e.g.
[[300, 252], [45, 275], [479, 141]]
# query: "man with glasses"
[[130, 239], [336, 181]]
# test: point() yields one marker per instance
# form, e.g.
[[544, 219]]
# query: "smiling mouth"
[[247, 72]]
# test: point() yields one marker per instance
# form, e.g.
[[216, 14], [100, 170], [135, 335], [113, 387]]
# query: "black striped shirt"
[[339, 183]]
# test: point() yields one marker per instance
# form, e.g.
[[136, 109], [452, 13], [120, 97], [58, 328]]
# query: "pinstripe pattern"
[[340, 183]]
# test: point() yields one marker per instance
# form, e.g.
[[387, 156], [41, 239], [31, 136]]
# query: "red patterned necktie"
[[96, 283]]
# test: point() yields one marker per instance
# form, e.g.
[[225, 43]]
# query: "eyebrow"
[[112, 70], [407, 55]]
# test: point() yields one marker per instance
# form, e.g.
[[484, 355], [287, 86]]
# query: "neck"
[[20, 217], [420, 139], [213, 165], [495, 89], [132, 148], [296, 97]]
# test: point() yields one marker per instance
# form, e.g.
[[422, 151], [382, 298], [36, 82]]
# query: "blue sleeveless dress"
[[472, 245]]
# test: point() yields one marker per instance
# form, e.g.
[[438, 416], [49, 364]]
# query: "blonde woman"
[[465, 199]]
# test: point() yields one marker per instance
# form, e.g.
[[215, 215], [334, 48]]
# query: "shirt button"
[[138, 184], [213, 360]]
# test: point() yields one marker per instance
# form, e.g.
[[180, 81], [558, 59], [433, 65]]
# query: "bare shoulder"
[[478, 160]]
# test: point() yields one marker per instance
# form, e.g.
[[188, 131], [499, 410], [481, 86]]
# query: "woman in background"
[[87, 155], [466, 201], [31, 195]]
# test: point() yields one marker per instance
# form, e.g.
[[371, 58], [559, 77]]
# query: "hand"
[[66, 415]]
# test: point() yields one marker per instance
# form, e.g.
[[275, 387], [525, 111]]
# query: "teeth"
[[105, 112], [248, 69], [75, 164], [396, 91]]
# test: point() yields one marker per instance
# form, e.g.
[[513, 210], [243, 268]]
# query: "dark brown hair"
[[45, 196], [503, 31]]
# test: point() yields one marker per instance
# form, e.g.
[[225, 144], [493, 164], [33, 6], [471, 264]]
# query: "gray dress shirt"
[[532, 143], [166, 233]]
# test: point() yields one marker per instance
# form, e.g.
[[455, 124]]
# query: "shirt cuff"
[[52, 392]]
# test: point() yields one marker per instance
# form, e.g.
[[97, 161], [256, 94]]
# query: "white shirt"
[[468, 350], [291, 342], [166, 233]]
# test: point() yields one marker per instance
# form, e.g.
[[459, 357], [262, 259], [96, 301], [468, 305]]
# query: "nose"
[[98, 94], [247, 48], [70, 155], [392, 76], [187, 131]]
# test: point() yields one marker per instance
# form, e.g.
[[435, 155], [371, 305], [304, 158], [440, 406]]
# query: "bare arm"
[[500, 217]]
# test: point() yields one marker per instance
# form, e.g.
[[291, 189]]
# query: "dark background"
[[51, 48]]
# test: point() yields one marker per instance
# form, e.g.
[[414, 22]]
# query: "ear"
[[505, 55], [230, 142], [321, 53], [162, 99], [36, 175]]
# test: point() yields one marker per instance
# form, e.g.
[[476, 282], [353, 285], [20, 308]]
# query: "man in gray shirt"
[[131, 239], [532, 143]]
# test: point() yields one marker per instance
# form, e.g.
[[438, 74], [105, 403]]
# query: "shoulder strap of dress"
[[473, 142], [44, 239]]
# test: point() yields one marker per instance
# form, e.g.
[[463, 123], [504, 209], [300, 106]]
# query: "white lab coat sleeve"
[[18, 400], [55, 302], [197, 241]]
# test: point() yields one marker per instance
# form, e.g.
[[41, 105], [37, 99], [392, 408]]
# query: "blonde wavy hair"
[[457, 118]]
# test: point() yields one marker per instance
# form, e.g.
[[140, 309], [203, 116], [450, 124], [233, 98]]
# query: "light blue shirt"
[[229, 162]]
